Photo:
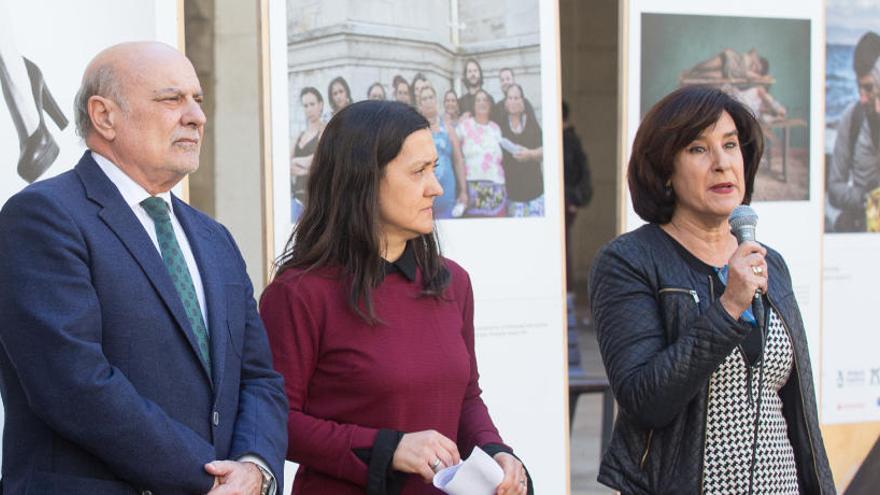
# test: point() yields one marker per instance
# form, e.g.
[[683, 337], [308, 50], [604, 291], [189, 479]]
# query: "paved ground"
[[586, 426]]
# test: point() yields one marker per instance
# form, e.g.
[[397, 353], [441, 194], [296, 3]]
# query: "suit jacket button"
[[215, 418]]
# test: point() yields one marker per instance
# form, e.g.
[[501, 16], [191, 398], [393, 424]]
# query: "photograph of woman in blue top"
[[450, 168]]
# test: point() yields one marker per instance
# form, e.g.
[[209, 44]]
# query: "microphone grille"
[[743, 215]]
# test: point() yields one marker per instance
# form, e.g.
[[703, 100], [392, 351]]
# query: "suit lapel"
[[123, 222], [207, 258]]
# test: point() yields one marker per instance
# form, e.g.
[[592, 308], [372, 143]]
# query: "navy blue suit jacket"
[[101, 381]]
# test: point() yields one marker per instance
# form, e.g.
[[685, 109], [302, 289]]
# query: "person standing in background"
[[505, 79], [376, 92], [419, 82], [523, 153], [578, 194], [450, 167], [481, 148], [339, 94], [401, 90], [450, 107], [304, 147], [472, 79]]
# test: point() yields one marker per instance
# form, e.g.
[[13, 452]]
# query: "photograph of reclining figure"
[[764, 63]]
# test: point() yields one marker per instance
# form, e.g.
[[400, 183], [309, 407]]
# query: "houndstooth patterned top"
[[730, 426]]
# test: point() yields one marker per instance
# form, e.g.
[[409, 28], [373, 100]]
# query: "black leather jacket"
[[662, 333]]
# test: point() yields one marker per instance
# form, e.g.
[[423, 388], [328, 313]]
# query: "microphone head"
[[742, 223]]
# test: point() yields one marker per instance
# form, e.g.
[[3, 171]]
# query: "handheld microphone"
[[743, 221]]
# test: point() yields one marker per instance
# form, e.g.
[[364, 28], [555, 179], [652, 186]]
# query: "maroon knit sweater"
[[345, 379]]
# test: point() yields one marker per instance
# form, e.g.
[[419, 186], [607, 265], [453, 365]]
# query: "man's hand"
[[235, 478]]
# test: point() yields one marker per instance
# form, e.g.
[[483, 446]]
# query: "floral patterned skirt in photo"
[[486, 199], [530, 208]]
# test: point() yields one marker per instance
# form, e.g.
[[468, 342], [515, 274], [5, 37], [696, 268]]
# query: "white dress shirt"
[[133, 193]]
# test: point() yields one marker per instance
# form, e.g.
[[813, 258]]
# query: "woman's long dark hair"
[[340, 226]]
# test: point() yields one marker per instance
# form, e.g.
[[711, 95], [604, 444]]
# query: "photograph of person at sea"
[[852, 118]]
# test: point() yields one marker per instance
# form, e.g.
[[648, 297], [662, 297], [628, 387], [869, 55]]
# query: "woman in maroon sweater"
[[370, 326]]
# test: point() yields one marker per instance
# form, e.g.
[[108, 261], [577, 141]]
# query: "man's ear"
[[103, 114]]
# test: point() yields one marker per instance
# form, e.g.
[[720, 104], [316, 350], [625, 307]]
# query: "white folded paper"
[[479, 474]]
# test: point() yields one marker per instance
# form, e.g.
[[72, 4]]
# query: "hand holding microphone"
[[747, 268], [746, 278]]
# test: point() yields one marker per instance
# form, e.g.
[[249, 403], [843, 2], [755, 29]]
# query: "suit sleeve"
[[475, 427], [652, 380], [52, 334], [261, 423], [295, 333]]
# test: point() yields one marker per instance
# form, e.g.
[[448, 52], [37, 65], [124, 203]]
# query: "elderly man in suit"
[[133, 359]]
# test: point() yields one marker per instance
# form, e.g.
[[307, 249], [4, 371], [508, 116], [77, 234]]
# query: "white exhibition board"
[[791, 226], [516, 265], [851, 363], [61, 38], [517, 268], [850, 367]]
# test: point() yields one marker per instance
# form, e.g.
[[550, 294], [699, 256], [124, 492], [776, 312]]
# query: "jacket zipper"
[[706, 413], [692, 292], [647, 449], [800, 389]]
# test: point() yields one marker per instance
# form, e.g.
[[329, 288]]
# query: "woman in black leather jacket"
[[710, 400]]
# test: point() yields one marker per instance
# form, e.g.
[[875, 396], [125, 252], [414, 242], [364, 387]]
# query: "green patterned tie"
[[157, 208]]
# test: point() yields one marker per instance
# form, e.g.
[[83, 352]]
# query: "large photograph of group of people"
[[477, 83], [764, 63], [489, 146], [852, 120]]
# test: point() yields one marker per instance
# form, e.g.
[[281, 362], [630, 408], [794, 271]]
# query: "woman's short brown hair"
[[668, 127]]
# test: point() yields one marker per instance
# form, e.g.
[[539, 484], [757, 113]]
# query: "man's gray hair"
[[101, 81]]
